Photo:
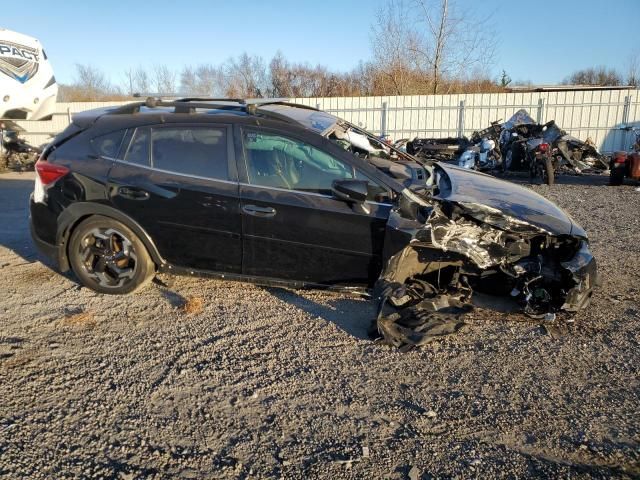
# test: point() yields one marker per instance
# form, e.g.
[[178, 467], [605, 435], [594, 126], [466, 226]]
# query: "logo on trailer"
[[18, 61]]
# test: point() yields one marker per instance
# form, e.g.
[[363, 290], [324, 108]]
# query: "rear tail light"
[[50, 172], [543, 147]]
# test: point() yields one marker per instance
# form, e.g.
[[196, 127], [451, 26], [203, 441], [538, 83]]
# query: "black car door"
[[179, 182], [293, 228]]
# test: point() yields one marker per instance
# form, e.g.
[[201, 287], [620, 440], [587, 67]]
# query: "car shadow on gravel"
[[14, 215], [15, 189], [350, 314]]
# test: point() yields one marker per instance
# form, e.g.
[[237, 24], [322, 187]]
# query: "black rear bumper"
[[53, 252]]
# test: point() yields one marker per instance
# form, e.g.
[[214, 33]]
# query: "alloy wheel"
[[108, 257]]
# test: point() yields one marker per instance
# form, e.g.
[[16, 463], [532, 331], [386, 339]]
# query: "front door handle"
[[256, 211], [132, 193]]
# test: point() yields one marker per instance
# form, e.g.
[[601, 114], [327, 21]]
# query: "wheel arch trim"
[[77, 212]]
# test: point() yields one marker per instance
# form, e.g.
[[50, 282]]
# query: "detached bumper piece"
[[584, 274], [415, 313]]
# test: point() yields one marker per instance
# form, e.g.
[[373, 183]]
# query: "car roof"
[[266, 112], [276, 109]]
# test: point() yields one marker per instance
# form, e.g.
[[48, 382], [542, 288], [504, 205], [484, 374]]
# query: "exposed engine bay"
[[399, 166], [455, 235]]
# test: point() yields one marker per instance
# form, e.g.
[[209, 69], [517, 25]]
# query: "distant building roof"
[[563, 88]]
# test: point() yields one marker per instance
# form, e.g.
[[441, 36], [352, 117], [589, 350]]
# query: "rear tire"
[[542, 168], [549, 172], [108, 257]]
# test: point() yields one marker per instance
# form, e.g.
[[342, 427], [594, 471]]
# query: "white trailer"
[[28, 88]]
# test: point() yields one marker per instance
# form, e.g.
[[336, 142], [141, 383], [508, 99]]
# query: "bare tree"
[[439, 31], [601, 76], [129, 76], [142, 80], [137, 80], [92, 80], [423, 47], [164, 80], [281, 76], [452, 41], [205, 80], [396, 71], [633, 69], [90, 84], [246, 76], [393, 39]]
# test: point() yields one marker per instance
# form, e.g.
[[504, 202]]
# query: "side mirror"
[[350, 190]]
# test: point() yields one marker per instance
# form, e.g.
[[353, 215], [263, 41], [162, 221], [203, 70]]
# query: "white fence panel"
[[598, 114]]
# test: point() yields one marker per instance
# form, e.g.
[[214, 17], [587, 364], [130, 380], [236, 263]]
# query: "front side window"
[[199, 151], [277, 161]]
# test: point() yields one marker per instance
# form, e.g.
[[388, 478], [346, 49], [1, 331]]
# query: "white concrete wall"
[[596, 114]]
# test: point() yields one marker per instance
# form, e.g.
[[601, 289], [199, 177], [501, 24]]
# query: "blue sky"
[[541, 40]]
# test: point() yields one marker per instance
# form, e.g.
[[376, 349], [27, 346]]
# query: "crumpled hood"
[[469, 187]]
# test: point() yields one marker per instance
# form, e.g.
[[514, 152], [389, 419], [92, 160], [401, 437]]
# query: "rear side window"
[[199, 151], [108, 145], [138, 151]]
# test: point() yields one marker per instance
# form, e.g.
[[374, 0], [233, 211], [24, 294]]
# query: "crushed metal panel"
[[457, 249]]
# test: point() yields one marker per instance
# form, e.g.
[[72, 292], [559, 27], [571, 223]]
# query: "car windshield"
[[313, 119]]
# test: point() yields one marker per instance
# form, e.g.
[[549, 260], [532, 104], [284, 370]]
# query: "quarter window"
[[108, 145]]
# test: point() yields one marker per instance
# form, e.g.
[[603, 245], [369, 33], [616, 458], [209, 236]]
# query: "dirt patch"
[[81, 319], [193, 306]]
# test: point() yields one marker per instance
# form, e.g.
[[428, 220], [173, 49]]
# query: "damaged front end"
[[468, 244]]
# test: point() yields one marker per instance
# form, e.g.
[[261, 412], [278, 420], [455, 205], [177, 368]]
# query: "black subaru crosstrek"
[[279, 193]]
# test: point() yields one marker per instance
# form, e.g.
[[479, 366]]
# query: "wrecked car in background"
[[567, 153], [444, 149], [519, 144], [284, 194]]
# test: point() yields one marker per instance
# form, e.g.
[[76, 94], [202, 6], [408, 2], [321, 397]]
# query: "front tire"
[[108, 257], [542, 168]]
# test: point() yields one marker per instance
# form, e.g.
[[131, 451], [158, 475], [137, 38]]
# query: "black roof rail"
[[128, 108], [182, 106], [291, 104], [211, 99], [189, 105]]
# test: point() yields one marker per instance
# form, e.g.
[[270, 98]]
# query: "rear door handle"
[[256, 211], [133, 193]]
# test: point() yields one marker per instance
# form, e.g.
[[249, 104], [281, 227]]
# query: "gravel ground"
[[264, 382]]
